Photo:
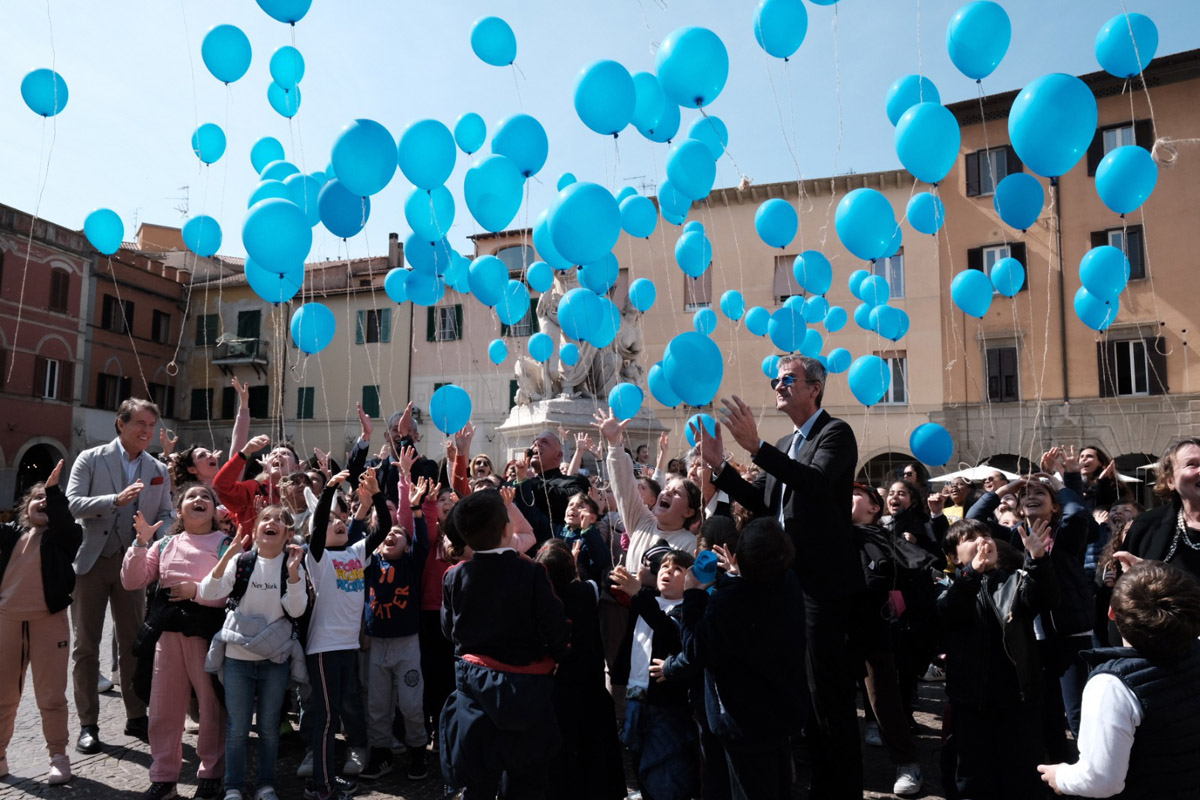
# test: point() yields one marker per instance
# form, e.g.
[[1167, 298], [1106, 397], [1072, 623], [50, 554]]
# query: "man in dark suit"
[[545, 496], [807, 483]]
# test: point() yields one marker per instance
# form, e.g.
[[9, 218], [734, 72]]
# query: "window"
[[53, 379], [60, 289], [517, 258], [161, 330], [370, 401], [111, 390], [249, 324], [116, 316], [986, 257], [444, 323], [163, 396], [229, 402], [259, 402], [1139, 132], [892, 270], [513, 388], [1132, 367], [525, 326], [304, 402], [1116, 137], [1002, 374], [897, 393], [374, 325], [208, 327], [1129, 241], [697, 292], [201, 405], [986, 168], [784, 284]]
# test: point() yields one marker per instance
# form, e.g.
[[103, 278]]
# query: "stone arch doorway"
[[35, 467]]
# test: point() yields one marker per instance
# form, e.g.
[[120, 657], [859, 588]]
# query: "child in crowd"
[[242, 497], [659, 732], [594, 560], [393, 576], [437, 653], [256, 650], [508, 630], [993, 671], [176, 635], [1141, 712]]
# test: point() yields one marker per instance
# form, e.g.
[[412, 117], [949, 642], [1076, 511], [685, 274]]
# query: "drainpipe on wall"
[[1062, 307]]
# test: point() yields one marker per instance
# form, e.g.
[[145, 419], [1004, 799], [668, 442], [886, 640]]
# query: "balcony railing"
[[240, 351]]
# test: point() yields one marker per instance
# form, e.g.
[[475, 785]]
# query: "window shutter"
[[533, 318], [359, 327], [3, 353], [1107, 368], [504, 329], [66, 381], [229, 402], [458, 321], [993, 374], [1134, 252], [1099, 238], [1017, 250], [1013, 164], [431, 324], [39, 377], [169, 411], [975, 258], [1143, 133], [385, 325], [1095, 152], [972, 169], [1156, 355], [1008, 368], [126, 390]]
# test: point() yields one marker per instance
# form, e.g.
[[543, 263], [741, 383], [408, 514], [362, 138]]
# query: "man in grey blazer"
[[108, 485]]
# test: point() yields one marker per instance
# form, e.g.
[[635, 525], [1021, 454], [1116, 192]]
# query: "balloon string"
[[837, 73], [187, 47], [517, 84]]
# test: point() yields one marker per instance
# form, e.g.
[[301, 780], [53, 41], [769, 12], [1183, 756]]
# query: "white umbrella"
[[974, 474]]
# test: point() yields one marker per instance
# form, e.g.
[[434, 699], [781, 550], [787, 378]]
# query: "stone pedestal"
[[575, 415]]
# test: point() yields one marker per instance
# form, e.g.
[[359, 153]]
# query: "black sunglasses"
[[787, 380]]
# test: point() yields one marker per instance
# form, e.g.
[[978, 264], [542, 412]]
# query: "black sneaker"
[[160, 790], [342, 790], [379, 765], [207, 788], [418, 770]]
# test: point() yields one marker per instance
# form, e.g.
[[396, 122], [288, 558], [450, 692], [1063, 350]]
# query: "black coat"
[[60, 543], [1150, 536], [549, 494]]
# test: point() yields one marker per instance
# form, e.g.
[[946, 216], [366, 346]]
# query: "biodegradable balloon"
[[814, 309], [838, 360], [1104, 272], [104, 230], [693, 253], [672, 204], [450, 408], [926, 213], [429, 212], [931, 444], [1097, 314], [585, 223], [425, 288], [642, 294], [786, 328], [305, 192], [514, 302], [44, 91], [425, 154], [1125, 178], [855, 282], [694, 367], [649, 101], [523, 139], [770, 366], [226, 52], [862, 316], [487, 277], [779, 26], [875, 291], [599, 276], [667, 126], [639, 217], [776, 222], [694, 225], [364, 157], [276, 234], [579, 312], [733, 305], [608, 323], [287, 67], [208, 142], [289, 11], [885, 320], [457, 274], [813, 272], [278, 170], [660, 387], [494, 189], [1126, 44], [1052, 122], [758, 319], [543, 242], [972, 292], [285, 102], [977, 38], [696, 421], [704, 321], [541, 347], [869, 378], [835, 319], [692, 66], [569, 354], [1018, 200], [395, 283], [343, 213], [691, 169], [470, 132], [265, 151], [711, 130], [267, 189], [907, 92], [493, 42], [202, 235], [625, 400], [313, 326], [604, 96], [1008, 276], [539, 276], [497, 351], [865, 223], [567, 178], [927, 141], [274, 286]]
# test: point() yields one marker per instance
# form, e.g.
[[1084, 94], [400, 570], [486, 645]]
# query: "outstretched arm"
[[241, 423]]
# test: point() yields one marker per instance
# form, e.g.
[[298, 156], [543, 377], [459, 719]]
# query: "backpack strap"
[[244, 568], [162, 544], [225, 543]]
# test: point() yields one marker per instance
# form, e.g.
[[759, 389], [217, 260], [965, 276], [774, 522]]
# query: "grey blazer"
[[96, 478]]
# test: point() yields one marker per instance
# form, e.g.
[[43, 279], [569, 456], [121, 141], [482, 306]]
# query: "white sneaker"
[[872, 737], [233, 794], [266, 793], [104, 685], [60, 770], [934, 674], [356, 761], [305, 769], [908, 780]]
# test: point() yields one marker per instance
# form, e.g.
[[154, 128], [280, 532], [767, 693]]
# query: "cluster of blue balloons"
[[1104, 272], [585, 316]]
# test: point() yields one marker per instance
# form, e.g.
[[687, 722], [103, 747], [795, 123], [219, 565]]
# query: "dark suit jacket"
[[549, 493], [1150, 536], [819, 486]]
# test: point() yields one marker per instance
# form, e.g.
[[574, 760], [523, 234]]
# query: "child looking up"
[[595, 560]]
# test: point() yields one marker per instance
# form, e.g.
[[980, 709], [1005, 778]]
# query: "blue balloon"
[[693, 253], [287, 67], [395, 283], [470, 132], [869, 379], [226, 52], [696, 421], [494, 42], [599, 276], [1125, 178], [625, 400], [539, 276], [1126, 44], [487, 277], [758, 319], [543, 242], [343, 213], [786, 328], [276, 234], [523, 139], [1008, 276], [931, 444], [104, 230], [541, 347], [1097, 314], [208, 143], [692, 66], [497, 351], [1018, 200], [430, 213], [875, 291], [579, 312], [364, 157], [278, 171], [656, 380], [694, 367], [1104, 272], [907, 92], [649, 102], [289, 11], [926, 212], [569, 354], [770, 366], [1052, 122], [927, 141], [457, 274], [305, 192], [672, 204], [267, 189], [905, 322], [704, 321], [604, 96], [275, 286], [977, 38], [202, 235], [865, 223], [855, 282], [813, 272], [862, 316], [885, 320], [639, 217], [608, 323], [711, 130], [776, 222], [265, 151], [494, 190], [44, 91], [642, 294], [897, 240], [286, 102], [812, 343], [425, 288], [838, 360], [972, 292], [796, 301], [585, 222], [667, 126], [814, 309], [426, 153], [450, 408], [567, 178], [835, 319], [514, 302], [694, 225], [779, 26], [733, 305], [691, 169], [313, 326]]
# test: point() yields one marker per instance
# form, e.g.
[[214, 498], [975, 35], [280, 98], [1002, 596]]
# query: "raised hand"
[[985, 556], [406, 425], [127, 495], [712, 449], [295, 556], [1110, 471], [509, 493], [408, 457], [168, 442], [609, 426], [322, 460], [259, 442], [725, 560], [664, 442], [739, 419], [462, 439], [623, 581], [145, 531], [369, 483], [1051, 459], [243, 391], [364, 421], [937, 502], [1070, 459], [1037, 541], [339, 479], [55, 474], [417, 492]]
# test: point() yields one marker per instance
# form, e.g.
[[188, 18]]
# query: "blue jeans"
[[336, 695], [663, 743], [244, 680]]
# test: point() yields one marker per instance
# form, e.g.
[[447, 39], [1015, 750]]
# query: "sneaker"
[[104, 685], [342, 790], [266, 793], [872, 737], [934, 674], [233, 794], [379, 765], [417, 768], [356, 761], [60, 769], [207, 788], [908, 780], [305, 769], [160, 790]]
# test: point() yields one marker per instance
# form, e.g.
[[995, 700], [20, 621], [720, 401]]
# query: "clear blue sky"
[[138, 88]]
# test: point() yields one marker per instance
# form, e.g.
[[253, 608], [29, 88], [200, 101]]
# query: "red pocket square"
[[156, 481]]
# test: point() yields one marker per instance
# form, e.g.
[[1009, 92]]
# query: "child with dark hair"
[[594, 560], [1140, 729], [509, 630]]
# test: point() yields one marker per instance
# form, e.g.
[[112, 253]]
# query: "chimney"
[[395, 251]]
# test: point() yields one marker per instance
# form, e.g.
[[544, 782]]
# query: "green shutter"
[[385, 325], [458, 321], [304, 402], [431, 326], [370, 401], [359, 337]]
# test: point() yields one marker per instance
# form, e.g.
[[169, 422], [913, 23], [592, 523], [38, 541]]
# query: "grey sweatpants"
[[394, 681]]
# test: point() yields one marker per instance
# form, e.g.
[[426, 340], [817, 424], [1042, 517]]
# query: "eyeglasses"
[[787, 381]]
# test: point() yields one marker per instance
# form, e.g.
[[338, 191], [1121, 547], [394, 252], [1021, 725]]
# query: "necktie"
[[793, 451]]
